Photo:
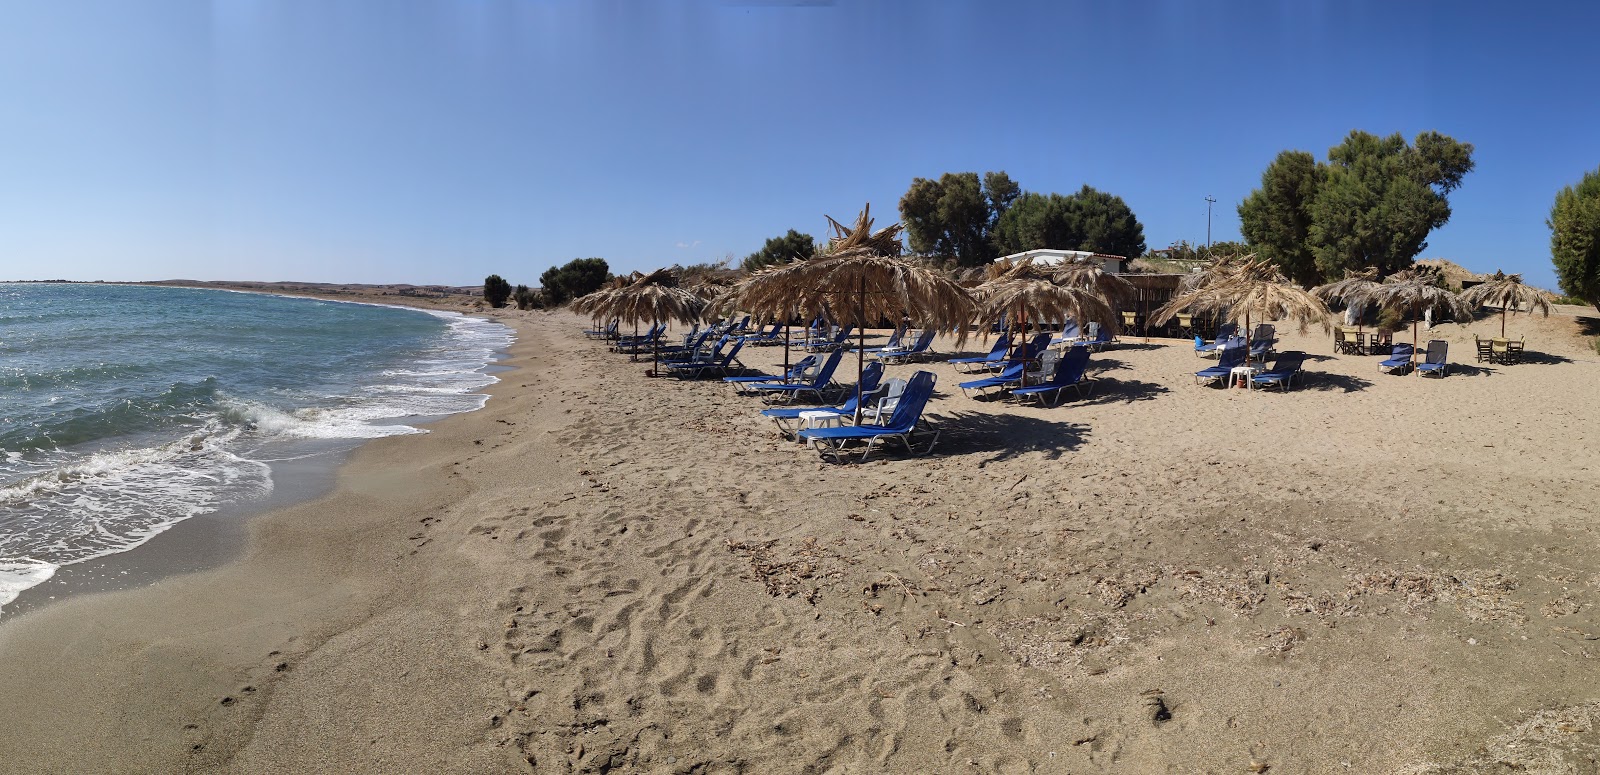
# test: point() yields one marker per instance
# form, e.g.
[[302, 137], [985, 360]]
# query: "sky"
[[438, 142]]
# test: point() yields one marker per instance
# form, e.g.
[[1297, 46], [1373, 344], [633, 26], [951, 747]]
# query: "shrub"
[[496, 290]]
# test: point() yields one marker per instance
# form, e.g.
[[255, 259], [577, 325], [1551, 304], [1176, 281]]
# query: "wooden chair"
[[1498, 350], [1514, 350], [1340, 343], [1485, 352]]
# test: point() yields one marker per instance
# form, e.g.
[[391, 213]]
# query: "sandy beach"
[[602, 572]]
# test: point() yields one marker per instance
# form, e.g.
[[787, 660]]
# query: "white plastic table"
[[1245, 373], [819, 420]]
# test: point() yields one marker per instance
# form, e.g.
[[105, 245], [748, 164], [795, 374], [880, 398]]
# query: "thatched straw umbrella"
[[1246, 287], [1090, 274], [1023, 291], [1347, 291], [1507, 292], [861, 280], [655, 297], [594, 302], [1415, 291]]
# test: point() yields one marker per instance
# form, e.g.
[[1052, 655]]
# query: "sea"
[[127, 409]]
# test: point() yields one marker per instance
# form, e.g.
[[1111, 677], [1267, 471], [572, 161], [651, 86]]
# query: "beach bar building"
[[1152, 289]]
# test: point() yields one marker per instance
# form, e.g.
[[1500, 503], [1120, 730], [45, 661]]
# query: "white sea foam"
[[71, 511], [17, 574]]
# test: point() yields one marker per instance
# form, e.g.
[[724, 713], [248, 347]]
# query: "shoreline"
[[300, 574], [598, 573], [211, 539]]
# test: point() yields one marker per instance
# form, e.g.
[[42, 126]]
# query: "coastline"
[[200, 651], [598, 572], [207, 540]]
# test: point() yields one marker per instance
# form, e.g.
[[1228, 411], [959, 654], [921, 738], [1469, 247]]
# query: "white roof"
[[1047, 256]]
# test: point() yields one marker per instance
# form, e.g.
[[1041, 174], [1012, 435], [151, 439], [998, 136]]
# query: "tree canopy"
[[1087, 220], [955, 215], [575, 278], [496, 290], [1276, 218], [1575, 238], [780, 249], [1373, 203]]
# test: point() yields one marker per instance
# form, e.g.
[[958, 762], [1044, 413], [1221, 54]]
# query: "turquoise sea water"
[[126, 409]]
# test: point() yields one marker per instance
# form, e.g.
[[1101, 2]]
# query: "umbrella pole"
[[861, 349], [786, 347], [632, 350], [655, 356], [1416, 312], [1247, 336], [1503, 320]]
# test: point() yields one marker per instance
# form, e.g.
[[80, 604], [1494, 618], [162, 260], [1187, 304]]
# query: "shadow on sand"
[[1005, 436]]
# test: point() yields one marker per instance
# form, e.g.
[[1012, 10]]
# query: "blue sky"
[[403, 141]]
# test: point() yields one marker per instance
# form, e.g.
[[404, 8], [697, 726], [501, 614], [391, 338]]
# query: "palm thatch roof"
[[883, 242], [1508, 292], [1090, 274], [1353, 284], [1021, 290], [1414, 291], [860, 282], [653, 297], [1238, 289]]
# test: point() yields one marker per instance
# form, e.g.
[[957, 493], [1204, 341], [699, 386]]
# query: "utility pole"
[[1209, 202]]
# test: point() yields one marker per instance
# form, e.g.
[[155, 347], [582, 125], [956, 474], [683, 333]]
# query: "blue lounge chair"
[[1031, 351], [1226, 362], [1011, 375], [917, 350], [1399, 360], [819, 385], [1102, 337], [692, 342], [1069, 373], [827, 343], [609, 332], [1283, 373], [906, 420], [641, 343], [796, 372], [713, 366], [873, 392], [1435, 361], [1262, 340], [892, 343], [699, 353], [773, 335], [1070, 334], [994, 360], [1224, 333]]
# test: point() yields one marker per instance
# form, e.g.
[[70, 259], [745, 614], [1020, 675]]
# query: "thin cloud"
[[687, 245]]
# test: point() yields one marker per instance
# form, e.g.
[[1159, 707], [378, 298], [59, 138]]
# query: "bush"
[[496, 290], [527, 298], [1390, 321]]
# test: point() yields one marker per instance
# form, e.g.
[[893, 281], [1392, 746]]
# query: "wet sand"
[[601, 572]]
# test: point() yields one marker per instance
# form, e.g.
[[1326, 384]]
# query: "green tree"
[[577, 277], [1276, 218], [780, 249], [1087, 220], [1575, 239], [526, 298], [496, 290], [1373, 203], [955, 215]]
